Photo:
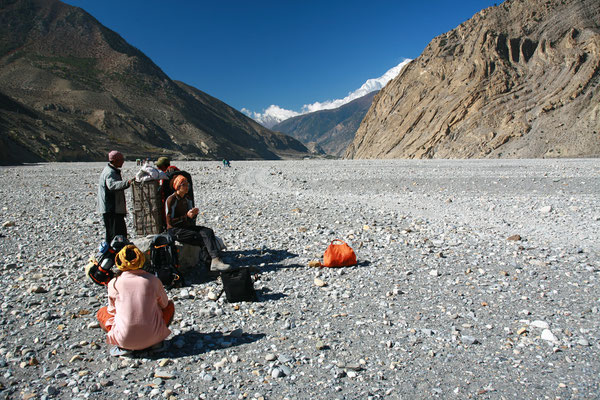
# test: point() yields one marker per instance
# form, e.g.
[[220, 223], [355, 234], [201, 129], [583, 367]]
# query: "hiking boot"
[[217, 264]]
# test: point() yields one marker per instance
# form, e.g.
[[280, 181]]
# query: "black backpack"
[[164, 262], [238, 285]]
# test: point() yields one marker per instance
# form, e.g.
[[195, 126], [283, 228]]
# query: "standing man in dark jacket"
[[111, 196]]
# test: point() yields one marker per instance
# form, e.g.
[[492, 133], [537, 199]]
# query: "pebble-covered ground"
[[476, 279]]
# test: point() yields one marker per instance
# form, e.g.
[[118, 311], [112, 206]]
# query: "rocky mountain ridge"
[[332, 130], [518, 80], [71, 89]]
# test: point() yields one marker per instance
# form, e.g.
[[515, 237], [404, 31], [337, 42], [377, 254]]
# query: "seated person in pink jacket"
[[139, 310]]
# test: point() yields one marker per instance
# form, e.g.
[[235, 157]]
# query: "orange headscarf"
[[177, 181]]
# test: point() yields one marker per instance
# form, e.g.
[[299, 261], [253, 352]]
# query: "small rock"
[[270, 357], [314, 263], [212, 295], [51, 390], [286, 370], [319, 282], [162, 374], [546, 209], [95, 387], [549, 336], [37, 289], [321, 346], [163, 362], [8, 224], [434, 272], [353, 366], [583, 342], [465, 339], [540, 324], [276, 373], [237, 333], [514, 238], [75, 358], [220, 364]]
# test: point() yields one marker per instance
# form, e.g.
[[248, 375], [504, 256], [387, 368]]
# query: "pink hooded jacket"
[[135, 302]]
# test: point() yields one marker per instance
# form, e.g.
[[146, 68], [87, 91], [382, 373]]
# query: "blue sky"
[[253, 54]]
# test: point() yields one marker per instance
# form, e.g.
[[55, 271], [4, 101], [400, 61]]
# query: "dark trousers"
[[115, 225], [197, 236]]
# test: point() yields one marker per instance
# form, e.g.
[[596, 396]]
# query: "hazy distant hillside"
[[518, 80], [71, 89], [333, 130]]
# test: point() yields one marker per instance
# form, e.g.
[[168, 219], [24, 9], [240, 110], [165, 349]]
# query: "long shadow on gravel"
[[265, 294], [243, 258], [255, 257], [195, 343]]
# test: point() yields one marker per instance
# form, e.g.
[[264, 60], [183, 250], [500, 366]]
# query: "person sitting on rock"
[[182, 226], [138, 312]]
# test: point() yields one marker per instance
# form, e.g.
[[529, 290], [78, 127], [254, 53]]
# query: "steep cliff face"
[[517, 80], [84, 90]]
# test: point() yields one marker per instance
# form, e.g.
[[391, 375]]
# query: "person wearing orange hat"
[[182, 226], [111, 196], [138, 312]]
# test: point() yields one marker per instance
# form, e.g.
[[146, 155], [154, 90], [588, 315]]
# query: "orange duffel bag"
[[338, 255]]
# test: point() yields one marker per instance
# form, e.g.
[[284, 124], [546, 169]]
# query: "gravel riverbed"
[[476, 279]]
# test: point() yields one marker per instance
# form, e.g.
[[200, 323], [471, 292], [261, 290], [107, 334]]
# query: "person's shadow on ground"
[[265, 294], [258, 260], [256, 257], [192, 343]]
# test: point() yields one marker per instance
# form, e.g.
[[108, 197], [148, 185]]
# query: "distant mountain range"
[[72, 89], [518, 80], [332, 130]]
